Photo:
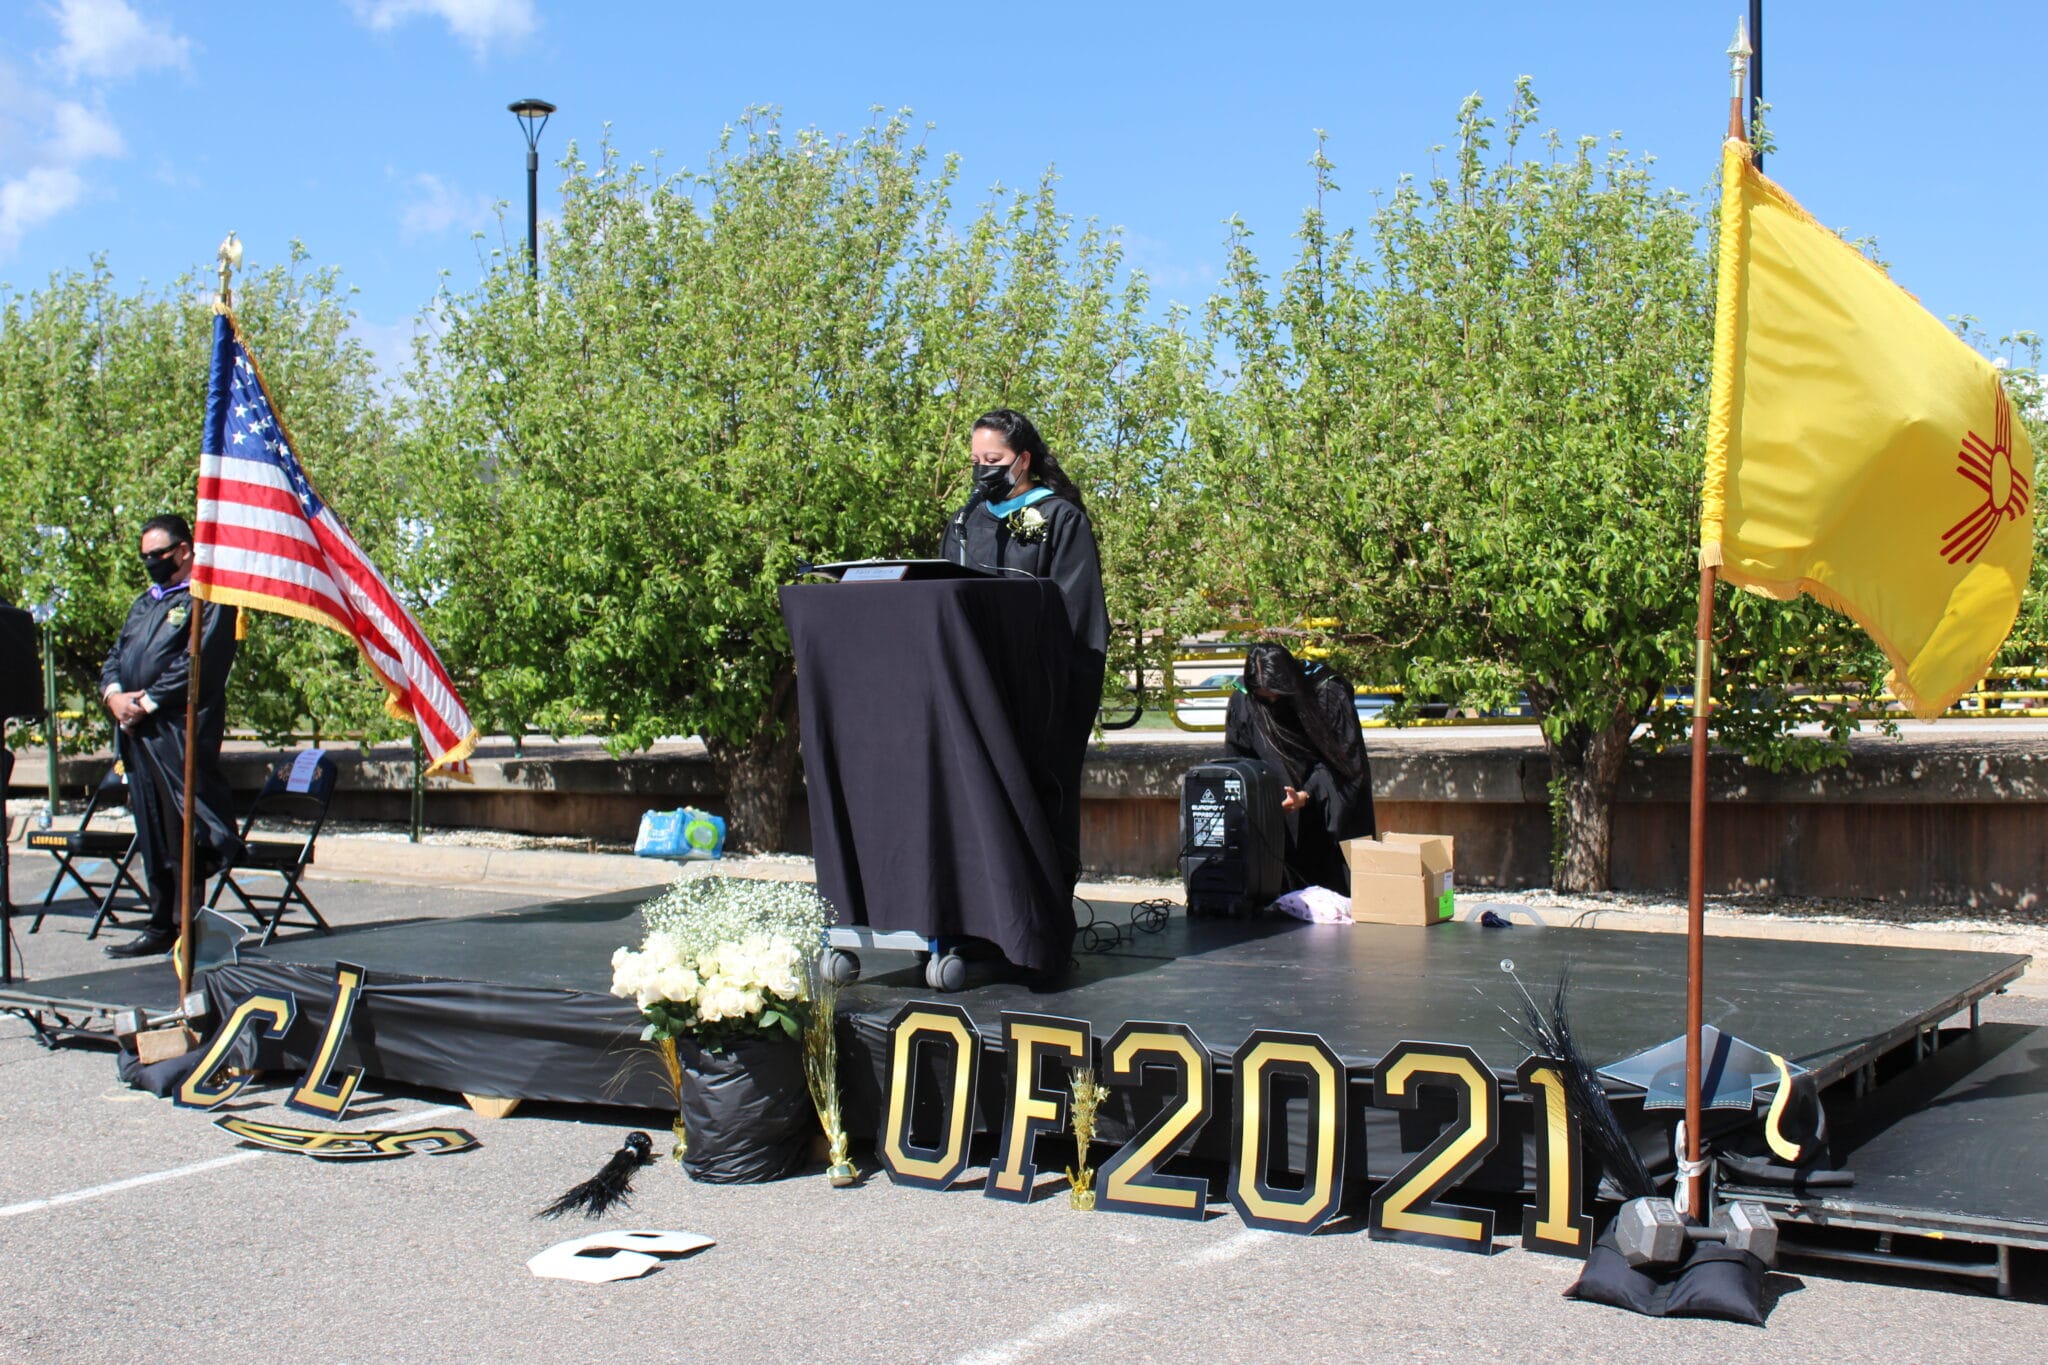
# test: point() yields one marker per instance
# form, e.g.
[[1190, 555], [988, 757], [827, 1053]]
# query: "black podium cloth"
[[934, 727]]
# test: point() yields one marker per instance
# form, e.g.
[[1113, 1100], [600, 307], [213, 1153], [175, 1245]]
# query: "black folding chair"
[[287, 859], [86, 844]]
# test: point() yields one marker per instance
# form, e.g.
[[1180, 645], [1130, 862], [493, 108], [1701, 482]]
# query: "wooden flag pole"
[[185, 955], [1693, 1171], [230, 255], [1696, 897]]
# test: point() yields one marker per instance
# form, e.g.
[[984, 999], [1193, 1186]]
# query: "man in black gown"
[[144, 687]]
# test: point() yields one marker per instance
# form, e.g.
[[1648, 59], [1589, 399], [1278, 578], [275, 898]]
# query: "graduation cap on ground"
[[1731, 1072], [219, 940]]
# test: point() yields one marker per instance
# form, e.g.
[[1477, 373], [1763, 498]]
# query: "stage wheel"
[[839, 967], [946, 972]]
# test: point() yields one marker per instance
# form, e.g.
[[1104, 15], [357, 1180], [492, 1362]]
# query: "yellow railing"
[[1989, 700], [1215, 701]]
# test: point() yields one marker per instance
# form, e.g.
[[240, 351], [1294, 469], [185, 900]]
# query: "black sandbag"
[[161, 1078], [1712, 1281], [746, 1113], [1719, 1282], [158, 1078]]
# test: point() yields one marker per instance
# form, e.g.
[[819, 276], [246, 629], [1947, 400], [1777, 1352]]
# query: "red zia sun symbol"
[[2006, 490]]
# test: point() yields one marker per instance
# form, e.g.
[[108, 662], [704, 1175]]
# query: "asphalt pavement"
[[134, 1230]]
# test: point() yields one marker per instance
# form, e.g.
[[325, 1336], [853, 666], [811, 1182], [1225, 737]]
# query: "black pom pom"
[[611, 1186]]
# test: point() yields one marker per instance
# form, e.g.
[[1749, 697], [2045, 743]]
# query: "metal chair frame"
[[69, 847], [285, 858]]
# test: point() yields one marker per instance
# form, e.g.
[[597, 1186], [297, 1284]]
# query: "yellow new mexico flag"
[[1858, 450]]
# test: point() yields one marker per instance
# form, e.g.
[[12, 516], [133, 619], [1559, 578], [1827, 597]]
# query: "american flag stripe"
[[290, 579], [399, 654], [264, 539], [420, 693], [258, 500], [371, 596], [231, 535], [270, 594]]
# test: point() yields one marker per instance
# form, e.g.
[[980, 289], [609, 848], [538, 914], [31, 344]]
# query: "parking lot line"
[[175, 1173]]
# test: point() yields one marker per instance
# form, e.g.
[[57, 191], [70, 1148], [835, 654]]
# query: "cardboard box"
[[1401, 878]]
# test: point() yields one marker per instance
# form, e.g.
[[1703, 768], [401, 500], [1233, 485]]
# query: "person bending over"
[[1300, 721]]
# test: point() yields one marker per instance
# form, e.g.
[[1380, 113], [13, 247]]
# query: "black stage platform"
[[513, 1004], [491, 983], [1953, 1150]]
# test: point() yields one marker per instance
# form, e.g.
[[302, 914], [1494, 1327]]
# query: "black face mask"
[[160, 570], [992, 481]]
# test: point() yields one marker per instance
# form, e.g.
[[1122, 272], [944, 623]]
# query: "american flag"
[[264, 539]]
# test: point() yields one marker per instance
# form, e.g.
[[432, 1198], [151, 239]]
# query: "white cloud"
[[49, 143], [82, 135], [437, 206], [34, 198], [482, 24], [107, 40]]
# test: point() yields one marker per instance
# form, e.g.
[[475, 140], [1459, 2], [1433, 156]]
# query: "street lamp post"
[[533, 117]]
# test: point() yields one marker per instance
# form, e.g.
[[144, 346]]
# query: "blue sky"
[[376, 132]]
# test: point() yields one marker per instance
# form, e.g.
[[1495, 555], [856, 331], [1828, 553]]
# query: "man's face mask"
[[161, 565]]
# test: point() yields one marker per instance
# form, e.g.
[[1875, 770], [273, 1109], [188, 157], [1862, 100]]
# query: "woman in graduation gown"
[[1026, 516], [1300, 721]]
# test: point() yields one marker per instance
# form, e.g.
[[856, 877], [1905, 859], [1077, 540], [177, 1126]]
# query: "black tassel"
[[612, 1185], [1549, 1034]]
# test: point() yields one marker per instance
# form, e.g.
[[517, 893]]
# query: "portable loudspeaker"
[[1231, 837]]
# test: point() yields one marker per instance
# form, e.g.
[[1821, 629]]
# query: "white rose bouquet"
[[724, 958]]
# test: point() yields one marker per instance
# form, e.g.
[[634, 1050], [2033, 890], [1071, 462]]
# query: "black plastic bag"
[[746, 1113]]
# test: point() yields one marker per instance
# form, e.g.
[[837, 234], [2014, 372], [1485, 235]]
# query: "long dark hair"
[[1023, 438], [1301, 730]]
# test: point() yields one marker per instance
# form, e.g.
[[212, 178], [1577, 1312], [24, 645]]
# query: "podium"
[[933, 717]]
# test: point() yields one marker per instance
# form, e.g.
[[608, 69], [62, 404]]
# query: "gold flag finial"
[[230, 261]]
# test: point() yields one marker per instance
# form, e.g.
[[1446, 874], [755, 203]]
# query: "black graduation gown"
[[1337, 809], [150, 655], [1065, 552], [21, 665]]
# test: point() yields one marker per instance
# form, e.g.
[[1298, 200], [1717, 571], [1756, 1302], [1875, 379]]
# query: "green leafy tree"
[[103, 394], [725, 373], [1478, 449]]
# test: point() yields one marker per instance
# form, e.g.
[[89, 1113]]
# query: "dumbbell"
[[1652, 1232]]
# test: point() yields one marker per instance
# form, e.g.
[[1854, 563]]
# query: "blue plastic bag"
[[682, 835]]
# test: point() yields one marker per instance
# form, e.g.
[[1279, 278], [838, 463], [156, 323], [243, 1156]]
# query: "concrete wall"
[[1953, 814]]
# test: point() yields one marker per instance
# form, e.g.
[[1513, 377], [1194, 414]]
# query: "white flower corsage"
[[1027, 525]]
